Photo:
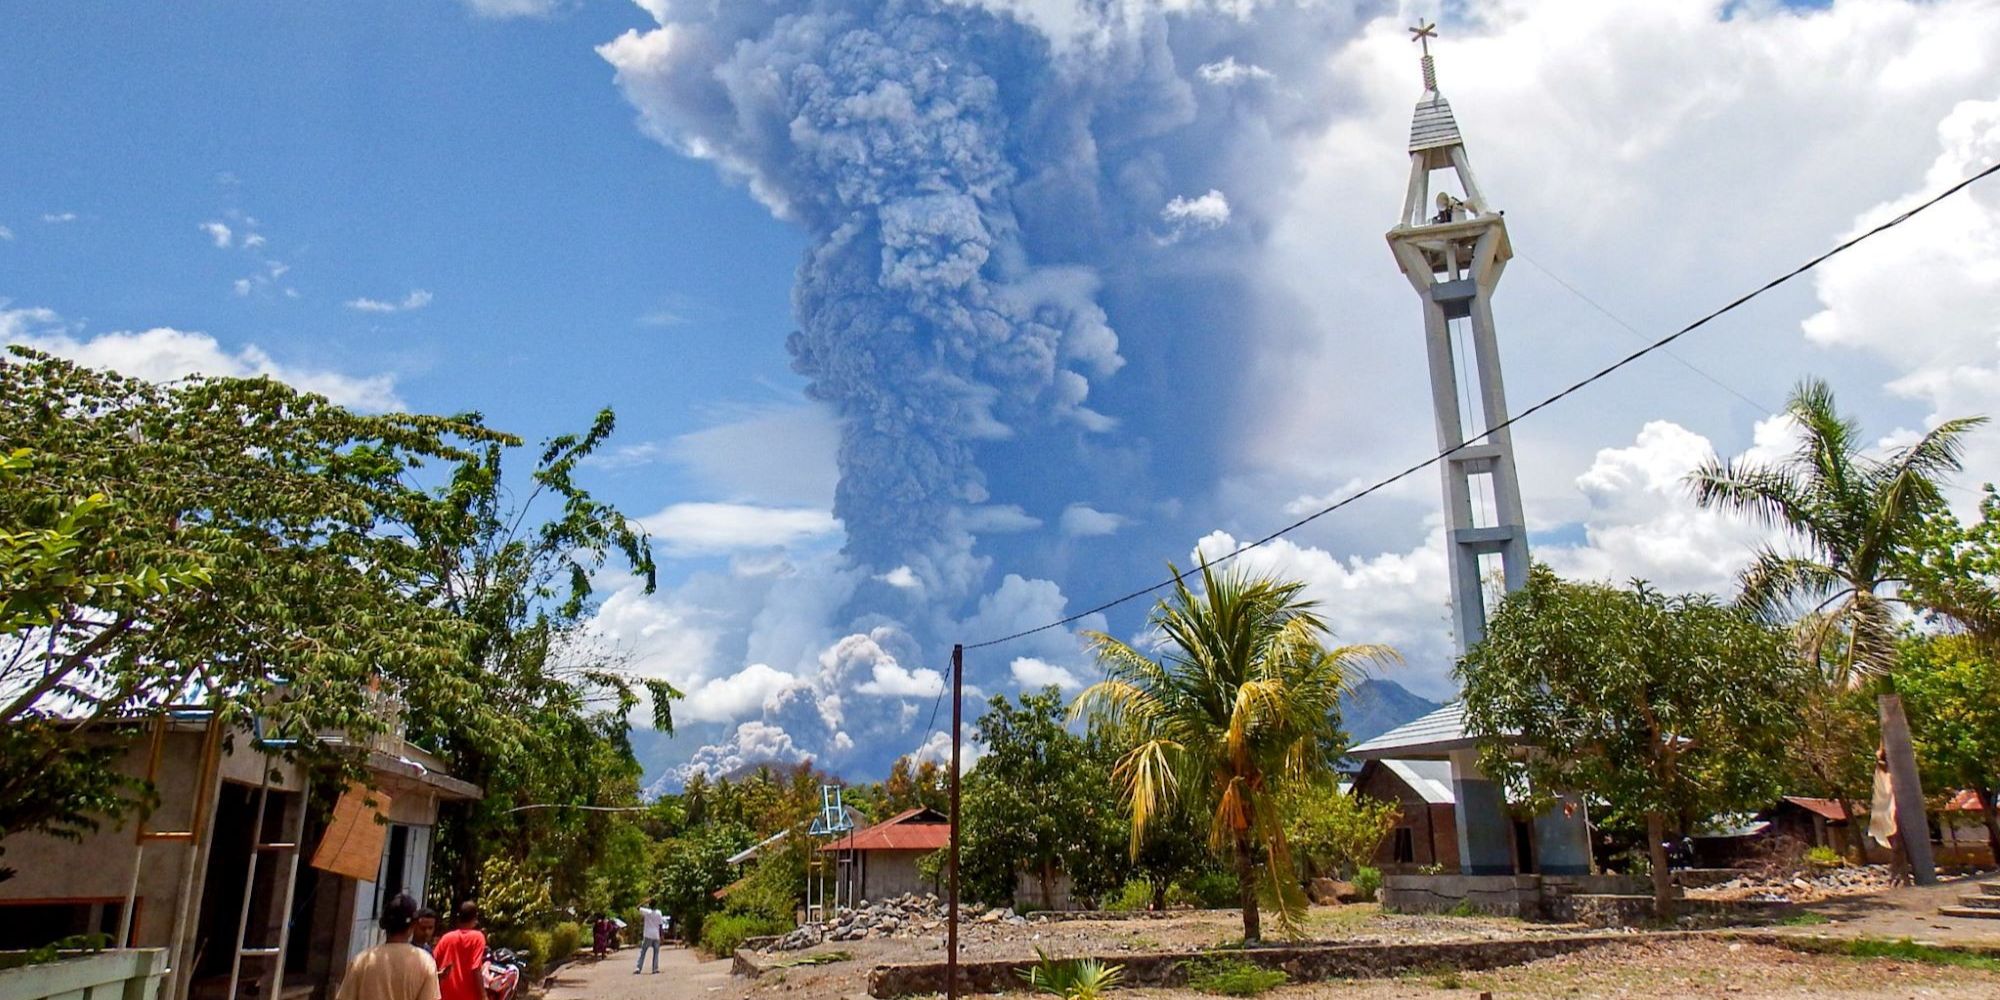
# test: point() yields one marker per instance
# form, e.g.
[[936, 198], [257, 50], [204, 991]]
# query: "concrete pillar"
[[1562, 839], [1484, 841]]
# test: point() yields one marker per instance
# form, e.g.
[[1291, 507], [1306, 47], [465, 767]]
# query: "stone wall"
[[1528, 897]]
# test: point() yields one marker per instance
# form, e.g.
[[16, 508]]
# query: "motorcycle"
[[502, 974]]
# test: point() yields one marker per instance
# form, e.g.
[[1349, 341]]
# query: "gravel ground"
[[1695, 969], [1703, 970], [1356, 923]]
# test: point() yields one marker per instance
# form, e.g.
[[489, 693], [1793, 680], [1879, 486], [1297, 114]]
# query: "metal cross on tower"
[[1453, 250]]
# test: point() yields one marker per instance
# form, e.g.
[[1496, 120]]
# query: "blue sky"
[[383, 149], [1079, 287]]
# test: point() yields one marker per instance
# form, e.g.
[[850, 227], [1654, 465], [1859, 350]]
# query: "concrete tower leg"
[[1562, 839], [1484, 842]]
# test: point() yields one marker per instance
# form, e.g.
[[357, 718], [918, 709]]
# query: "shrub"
[[1071, 978], [1209, 890], [510, 896], [1136, 894], [1823, 857], [723, 933], [1232, 977], [1367, 882], [534, 951], [564, 939]]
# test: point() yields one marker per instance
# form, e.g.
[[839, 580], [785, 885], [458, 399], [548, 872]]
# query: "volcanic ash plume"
[[878, 127]]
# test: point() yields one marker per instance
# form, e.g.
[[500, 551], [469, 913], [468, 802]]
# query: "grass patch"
[[1804, 918], [822, 958], [1906, 950], [1232, 977]]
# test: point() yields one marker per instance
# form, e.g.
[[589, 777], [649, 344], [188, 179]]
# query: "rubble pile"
[[1805, 886], [906, 916]]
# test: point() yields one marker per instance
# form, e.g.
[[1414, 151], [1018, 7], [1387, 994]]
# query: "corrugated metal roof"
[[1433, 126], [1438, 732], [1430, 779], [1825, 808], [917, 829]]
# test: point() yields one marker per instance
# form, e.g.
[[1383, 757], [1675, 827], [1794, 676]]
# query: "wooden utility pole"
[[951, 917]]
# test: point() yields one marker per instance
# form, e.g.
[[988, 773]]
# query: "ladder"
[[196, 836], [258, 848]]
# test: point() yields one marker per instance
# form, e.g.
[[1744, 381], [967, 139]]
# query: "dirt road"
[[684, 975]]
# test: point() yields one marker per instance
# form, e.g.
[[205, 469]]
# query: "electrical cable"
[[1634, 331], [1601, 373]]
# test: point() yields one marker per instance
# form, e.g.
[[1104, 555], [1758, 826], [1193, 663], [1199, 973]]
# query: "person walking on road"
[[394, 969], [651, 922], [461, 956]]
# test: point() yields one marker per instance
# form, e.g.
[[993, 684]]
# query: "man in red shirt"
[[461, 957]]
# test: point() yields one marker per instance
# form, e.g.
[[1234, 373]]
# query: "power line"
[[1601, 373], [1634, 331]]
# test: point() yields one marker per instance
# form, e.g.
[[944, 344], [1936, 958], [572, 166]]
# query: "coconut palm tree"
[[1851, 519], [1239, 703]]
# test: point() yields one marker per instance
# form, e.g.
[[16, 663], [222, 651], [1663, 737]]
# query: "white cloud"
[[1925, 299], [1083, 521], [893, 680], [709, 528], [6, 234], [505, 9], [1227, 72], [902, 578], [1208, 211], [995, 519], [58, 218], [1030, 672], [163, 354], [754, 742], [727, 699], [253, 240], [416, 299], [220, 234], [241, 287]]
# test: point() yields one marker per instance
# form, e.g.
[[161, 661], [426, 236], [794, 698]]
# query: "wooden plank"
[[356, 836]]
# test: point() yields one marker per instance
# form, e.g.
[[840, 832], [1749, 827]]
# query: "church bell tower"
[[1451, 243]]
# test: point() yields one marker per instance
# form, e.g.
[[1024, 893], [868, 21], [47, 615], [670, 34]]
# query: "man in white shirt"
[[651, 921]]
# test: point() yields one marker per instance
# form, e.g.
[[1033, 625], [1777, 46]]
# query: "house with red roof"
[[881, 861]]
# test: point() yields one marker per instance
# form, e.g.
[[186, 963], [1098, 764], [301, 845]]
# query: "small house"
[[881, 861]]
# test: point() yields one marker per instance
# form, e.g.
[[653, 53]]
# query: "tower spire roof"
[[1433, 126]]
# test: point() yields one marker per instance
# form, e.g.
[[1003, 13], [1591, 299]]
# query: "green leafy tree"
[[1036, 804], [1855, 521], [1954, 569], [1334, 833], [1661, 706], [1952, 685], [532, 711], [692, 867], [231, 541], [911, 785], [1240, 705]]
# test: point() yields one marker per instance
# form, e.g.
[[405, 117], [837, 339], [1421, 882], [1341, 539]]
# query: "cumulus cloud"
[[219, 233], [902, 578], [417, 298], [58, 218], [727, 699], [1923, 303], [1227, 72], [1084, 521], [164, 353], [1030, 672], [708, 528], [752, 743], [1183, 214]]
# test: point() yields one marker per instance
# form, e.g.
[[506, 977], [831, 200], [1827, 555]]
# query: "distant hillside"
[[1377, 706]]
